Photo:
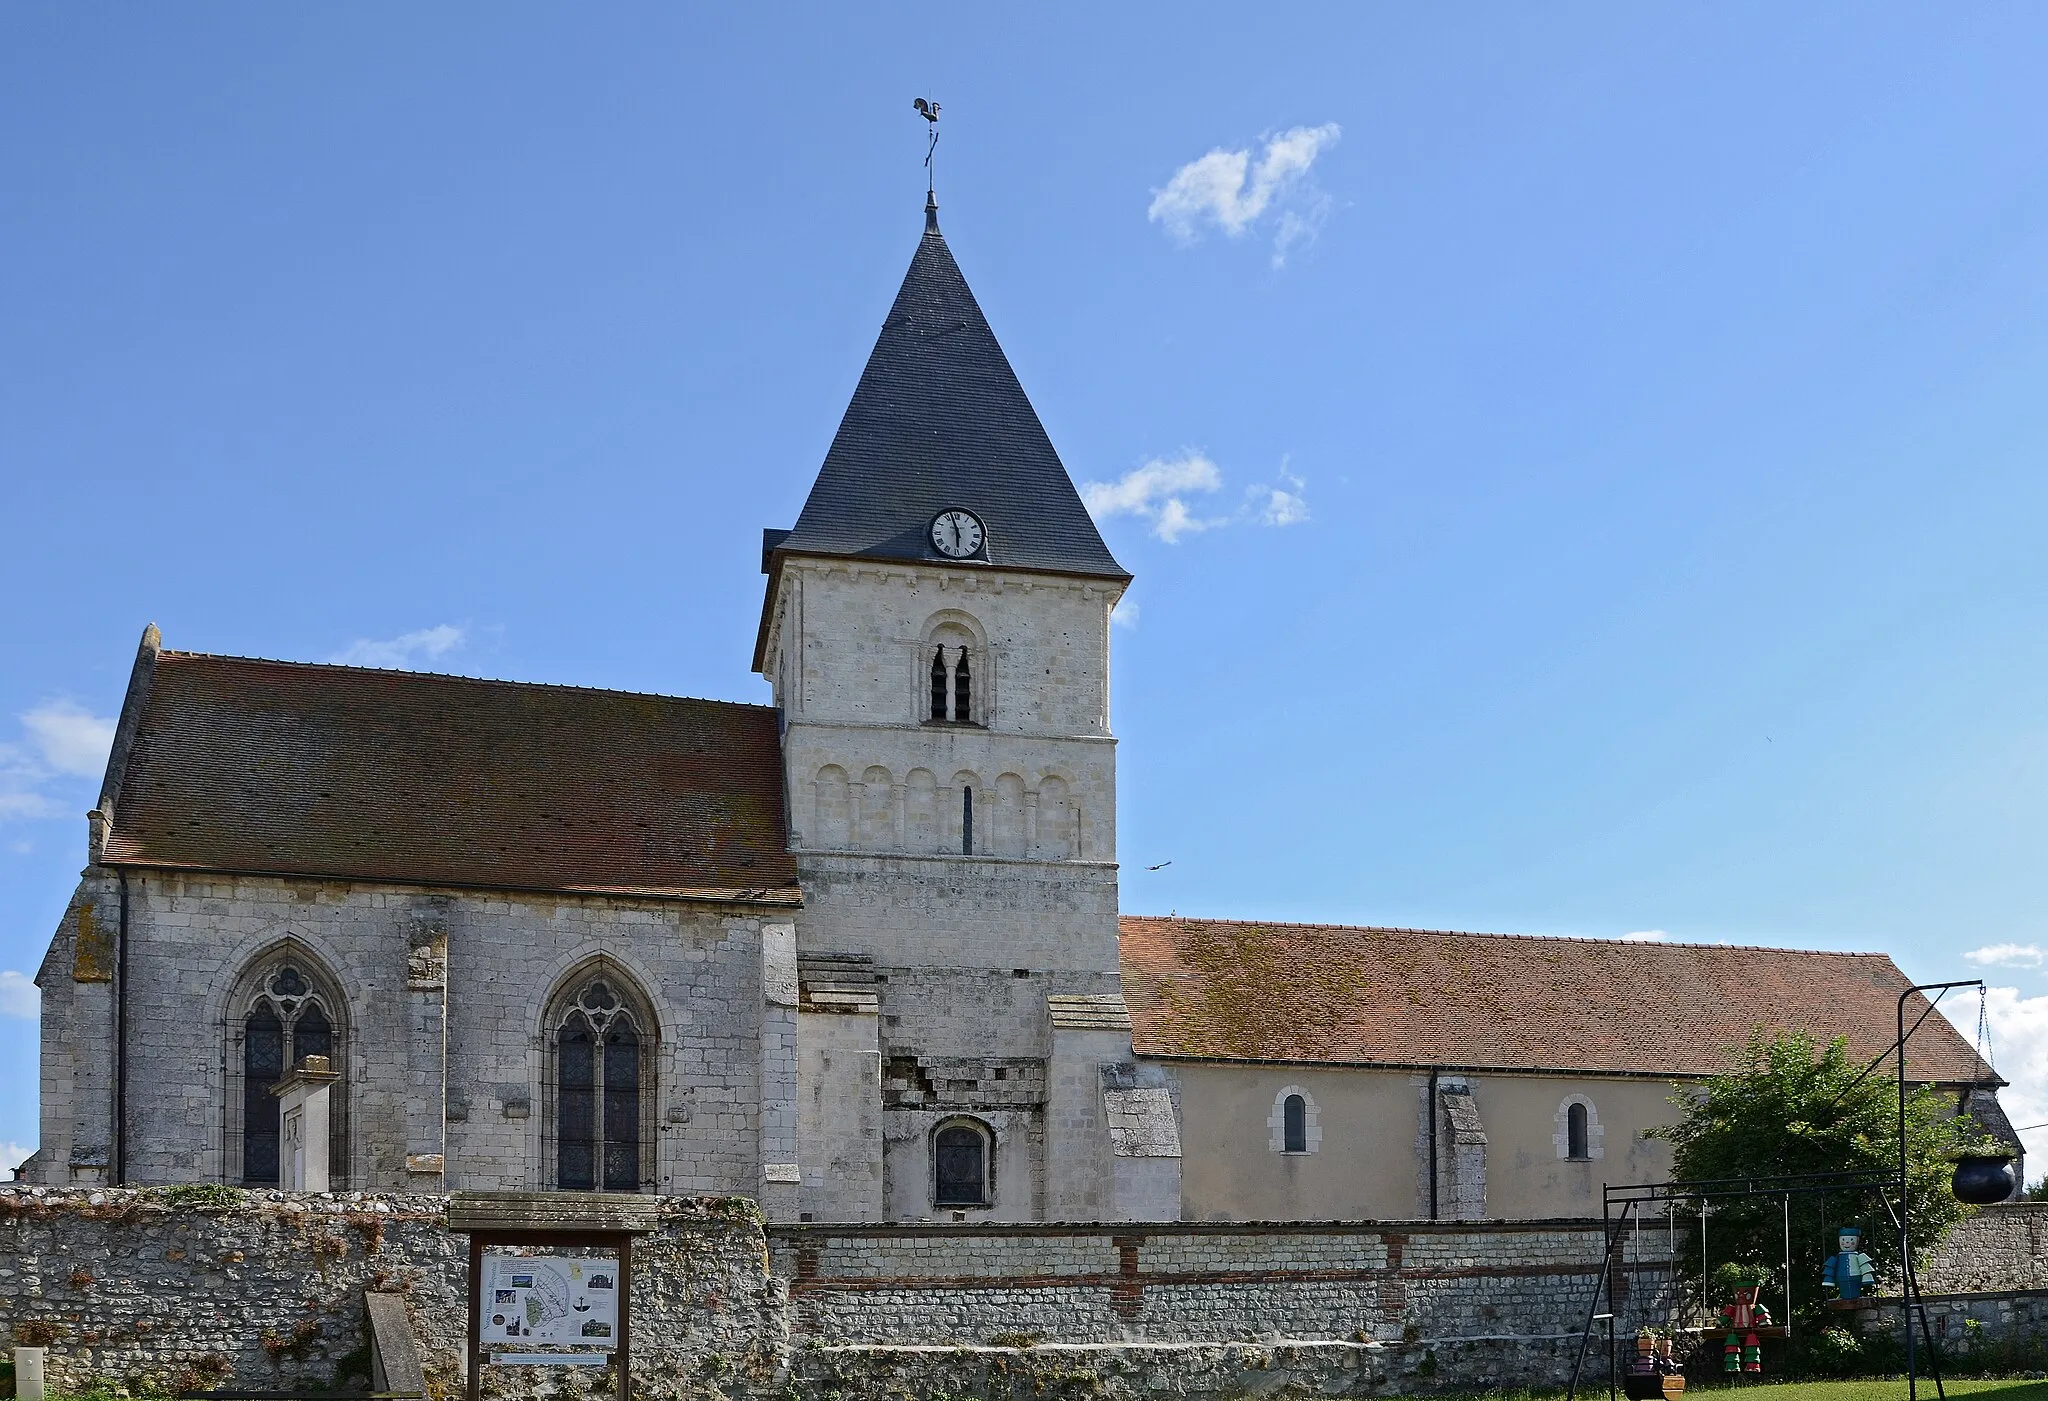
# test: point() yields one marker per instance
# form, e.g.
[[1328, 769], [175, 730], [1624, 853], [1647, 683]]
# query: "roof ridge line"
[[176, 653], [1485, 934]]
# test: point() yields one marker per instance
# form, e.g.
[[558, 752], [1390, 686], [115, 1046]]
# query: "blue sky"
[[1654, 397]]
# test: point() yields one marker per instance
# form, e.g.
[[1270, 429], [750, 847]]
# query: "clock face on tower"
[[957, 534]]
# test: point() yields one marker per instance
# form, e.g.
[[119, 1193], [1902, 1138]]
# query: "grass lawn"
[[1892, 1389]]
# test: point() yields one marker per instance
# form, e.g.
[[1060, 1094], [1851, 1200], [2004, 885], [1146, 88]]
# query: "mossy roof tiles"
[[1339, 994]]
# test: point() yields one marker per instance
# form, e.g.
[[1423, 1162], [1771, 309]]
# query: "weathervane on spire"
[[930, 112]]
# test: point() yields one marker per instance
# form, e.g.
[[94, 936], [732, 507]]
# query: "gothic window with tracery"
[[284, 1020], [601, 1079]]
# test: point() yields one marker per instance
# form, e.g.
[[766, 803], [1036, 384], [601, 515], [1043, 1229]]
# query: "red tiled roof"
[[289, 768], [1225, 989]]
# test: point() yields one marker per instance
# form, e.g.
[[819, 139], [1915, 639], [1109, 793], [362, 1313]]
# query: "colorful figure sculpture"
[[1848, 1272], [1740, 1350]]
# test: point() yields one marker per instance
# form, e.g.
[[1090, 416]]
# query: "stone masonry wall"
[[268, 1293], [463, 1028], [2000, 1248], [1190, 1282]]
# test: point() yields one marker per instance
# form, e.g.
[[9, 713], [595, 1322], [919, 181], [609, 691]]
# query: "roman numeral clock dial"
[[957, 534]]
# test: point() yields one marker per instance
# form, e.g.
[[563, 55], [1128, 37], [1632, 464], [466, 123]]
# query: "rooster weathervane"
[[930, 112]]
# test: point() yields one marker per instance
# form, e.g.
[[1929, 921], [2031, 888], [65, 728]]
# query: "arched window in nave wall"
[[602, 1040], [285, 1007]]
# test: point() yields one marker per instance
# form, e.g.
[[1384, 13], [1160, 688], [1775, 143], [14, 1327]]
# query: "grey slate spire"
[[939, 421]]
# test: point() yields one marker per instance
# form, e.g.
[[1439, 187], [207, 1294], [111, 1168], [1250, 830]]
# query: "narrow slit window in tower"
[[939, 683], [963, 690], [967, 822]]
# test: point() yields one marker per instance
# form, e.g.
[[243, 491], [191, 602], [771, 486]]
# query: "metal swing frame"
[[1616, 1229]]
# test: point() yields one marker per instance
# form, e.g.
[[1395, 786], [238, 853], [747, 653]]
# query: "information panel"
[[550, 1299]]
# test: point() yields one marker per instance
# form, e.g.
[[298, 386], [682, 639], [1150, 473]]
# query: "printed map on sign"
[[550, 1299]]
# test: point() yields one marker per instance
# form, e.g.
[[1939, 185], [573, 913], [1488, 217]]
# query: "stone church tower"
[[936, 630]]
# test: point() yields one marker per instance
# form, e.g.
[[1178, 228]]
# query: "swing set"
[[1625, 1211]]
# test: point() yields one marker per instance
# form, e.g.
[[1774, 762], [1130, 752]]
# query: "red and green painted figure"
[[1740, 1350]]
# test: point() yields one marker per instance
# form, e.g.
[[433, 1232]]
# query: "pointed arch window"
[[603, 1079], [939, 711], [963, 689], [286, 1014]]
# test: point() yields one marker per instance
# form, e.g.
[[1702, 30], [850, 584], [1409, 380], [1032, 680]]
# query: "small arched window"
[[286, 1020], [963, 689], [939, 682], [600, 1078], [1578, 1133], [960, 1164], [967, 822], [1294, 1124]]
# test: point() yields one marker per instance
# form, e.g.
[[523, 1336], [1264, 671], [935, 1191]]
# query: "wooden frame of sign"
[[556, 1220]]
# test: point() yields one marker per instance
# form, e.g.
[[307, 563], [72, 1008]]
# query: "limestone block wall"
[[77, 1063], [445, 1051], [267, 1294], [847, 637], [952, 912]]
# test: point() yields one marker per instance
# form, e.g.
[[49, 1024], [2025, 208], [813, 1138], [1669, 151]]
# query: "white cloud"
[[1227, 190], [1279, 505], [404, 651], [60, 740], [1125, 614], [1156, 492], [2007, 955], [1645, 936], [18, 995], [12, 1156], [71, 739], [2019, 1048]]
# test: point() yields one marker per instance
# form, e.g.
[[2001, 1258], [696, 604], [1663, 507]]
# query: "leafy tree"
[[1791, 1106]]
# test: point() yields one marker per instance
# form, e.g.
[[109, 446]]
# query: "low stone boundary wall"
[[2000, 1248], [193, 1287], [1198, 1282], [1150, 1371], [200, 1287]]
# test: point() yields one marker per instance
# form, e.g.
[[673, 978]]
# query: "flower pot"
[[1983, 1180]]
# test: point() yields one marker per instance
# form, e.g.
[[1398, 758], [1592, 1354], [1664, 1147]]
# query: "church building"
[[857, 952]]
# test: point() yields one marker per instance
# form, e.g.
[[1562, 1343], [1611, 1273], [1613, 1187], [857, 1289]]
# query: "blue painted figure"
[[1848, 1272]]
